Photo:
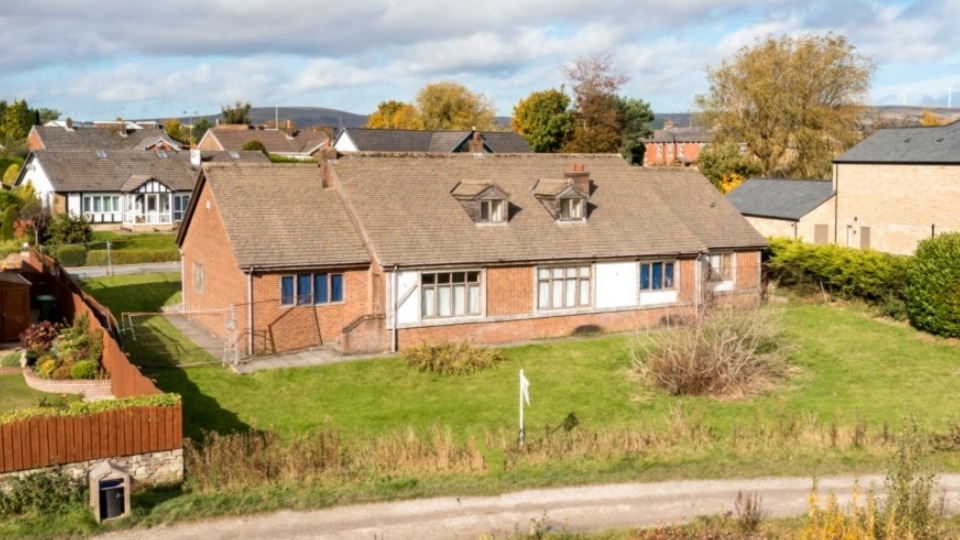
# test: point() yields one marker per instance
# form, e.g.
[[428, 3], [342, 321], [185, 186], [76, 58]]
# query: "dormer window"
[[493, 211], [571, 209]]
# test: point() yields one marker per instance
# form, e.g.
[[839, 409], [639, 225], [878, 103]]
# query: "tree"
[[393, 114], [544, 119], [724, 164], [448, 105], [17, 121], [47, 115], [176, 130], [933, 277], [238, 114], [200, 128], [11, 174], [635, 117], [929, 119], [794, 102], [595, 82], [67, 229], [254, 146]]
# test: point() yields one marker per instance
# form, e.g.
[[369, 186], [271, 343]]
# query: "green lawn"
[[135, 292], [146, 241], [15, 394]]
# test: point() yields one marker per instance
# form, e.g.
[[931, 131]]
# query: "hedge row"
[[934, 294], [74, 255], [877, 278]]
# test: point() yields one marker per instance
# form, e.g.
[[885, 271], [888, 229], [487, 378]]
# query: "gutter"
[[395, 344]]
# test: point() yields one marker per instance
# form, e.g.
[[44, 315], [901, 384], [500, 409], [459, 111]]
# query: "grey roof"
[[81, 171], [939, 144], [408, 140], [99, 138], [780, 198], [279, 215]]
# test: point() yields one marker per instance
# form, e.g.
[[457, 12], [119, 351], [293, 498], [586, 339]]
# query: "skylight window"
[[162, 154], [102, 154], [234, 155]]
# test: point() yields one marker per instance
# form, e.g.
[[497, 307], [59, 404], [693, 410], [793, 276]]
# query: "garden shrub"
[[46, 366], [59, 348], [934, 286], [39, 337], [67, 229], [72, 255], [9, 218], [48, 492], [84, 369], [875, 277], [449, 358], [722, 352], [98, 257]]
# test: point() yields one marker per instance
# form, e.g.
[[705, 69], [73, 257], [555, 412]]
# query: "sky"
[[117, 58]]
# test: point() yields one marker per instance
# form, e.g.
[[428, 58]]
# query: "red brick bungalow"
[[371, 252]]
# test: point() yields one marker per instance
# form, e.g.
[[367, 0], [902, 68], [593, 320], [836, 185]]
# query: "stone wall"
[[153, 468]]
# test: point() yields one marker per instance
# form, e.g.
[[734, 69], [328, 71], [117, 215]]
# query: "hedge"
[[72, 255], [934, 286], [98, 257], [872, 276], [83, 408]]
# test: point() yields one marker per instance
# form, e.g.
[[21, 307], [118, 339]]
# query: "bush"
[[877, 278], [9, 218], [722, 352], [67, 229], [72, 255], [254, 146], [46, 366], [934, 286], [98, 257], [84, 369], [449, 358], [47, 493], [39, 337]]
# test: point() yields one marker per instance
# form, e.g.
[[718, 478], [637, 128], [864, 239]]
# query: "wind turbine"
[[903, 96], [949, 90]]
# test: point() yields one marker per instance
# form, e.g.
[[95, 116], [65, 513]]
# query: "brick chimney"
[[68, 123], [195, 157], [579, 177], [668, 123], [326, 155], [476, 143]]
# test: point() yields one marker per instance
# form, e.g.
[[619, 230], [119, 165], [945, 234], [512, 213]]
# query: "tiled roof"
[[680, 134], [77, 171], [279, 215], [403, 140], [406, 210], [275, 141], [780, 198], [83, 138], [908, 145]]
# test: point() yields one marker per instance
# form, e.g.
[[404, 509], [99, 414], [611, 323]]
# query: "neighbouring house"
[[675, 145], [128, 188], [409, 140], [370, 252], [301, 145], [64, 135], [799, 209], [897, 187]]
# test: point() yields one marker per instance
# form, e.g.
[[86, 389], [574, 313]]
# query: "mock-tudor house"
[[410, 140], [675, 145], [65, 135], [232, 138], [120, 188], [380, 251], [798, 209], [898, 187]]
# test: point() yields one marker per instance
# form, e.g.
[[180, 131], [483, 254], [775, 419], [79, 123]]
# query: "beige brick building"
[[798, 209], [898, 187]]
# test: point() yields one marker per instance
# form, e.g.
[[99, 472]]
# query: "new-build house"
[[897, 187], [378, 251], [408, 140], [798, 209], [129, 188]]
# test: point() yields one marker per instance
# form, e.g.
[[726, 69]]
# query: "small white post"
[[109, 260], [524, 396]]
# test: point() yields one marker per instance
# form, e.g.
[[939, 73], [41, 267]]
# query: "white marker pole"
[[524, 396]]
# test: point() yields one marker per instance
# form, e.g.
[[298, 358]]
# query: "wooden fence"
[[45, 441]]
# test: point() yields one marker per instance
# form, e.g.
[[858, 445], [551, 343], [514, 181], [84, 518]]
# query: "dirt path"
[[578, 509]]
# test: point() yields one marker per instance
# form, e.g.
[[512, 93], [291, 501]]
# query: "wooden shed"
[[15, 301]]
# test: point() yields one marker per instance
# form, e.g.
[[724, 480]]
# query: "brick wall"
[[33, 141], [210, 143], [901, 204]]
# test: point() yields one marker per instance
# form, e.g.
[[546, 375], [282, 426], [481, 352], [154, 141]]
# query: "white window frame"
[[434, 283], [579, 276], [572, 209], [493, 211], [673, 278], [94, 204], [723, 277]]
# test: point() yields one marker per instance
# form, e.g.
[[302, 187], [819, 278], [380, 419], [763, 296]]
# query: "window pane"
[[496, 213], [428, 279], [96, 204], [459, 277], [336, 287], [570, 298], [304, 289], [668, 276], [657, 270], [116, 204], [584, 292], [459, 299], [571, 272], [557, 273], [428, 302], [584, 271], [543, 295], [644, 277], [86, 204], [443, 278], [320, 289], [557, 300], [543, 273], [286, 290], [444, 294], [473, 277], [484, 210], [474, 299]]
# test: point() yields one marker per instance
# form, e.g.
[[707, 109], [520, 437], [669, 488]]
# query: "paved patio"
[[316, 357]]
